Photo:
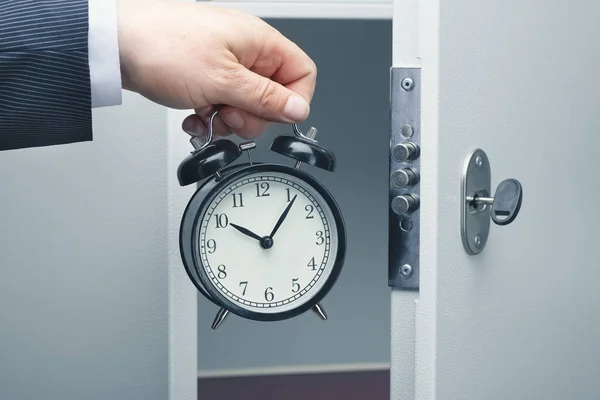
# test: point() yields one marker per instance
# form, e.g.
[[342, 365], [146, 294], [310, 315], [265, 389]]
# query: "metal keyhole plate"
[[475, 220]]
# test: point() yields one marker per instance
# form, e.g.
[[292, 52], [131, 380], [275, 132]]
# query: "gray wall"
[[83, 263], [351, 111]]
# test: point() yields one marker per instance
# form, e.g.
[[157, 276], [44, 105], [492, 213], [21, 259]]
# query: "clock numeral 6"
[[222, 272], [221, 220], [265, 188], [269, 296], [295, 285], [320, 238], [212, 246]]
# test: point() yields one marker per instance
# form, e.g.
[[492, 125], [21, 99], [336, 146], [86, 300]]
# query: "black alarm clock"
[[264, 241]]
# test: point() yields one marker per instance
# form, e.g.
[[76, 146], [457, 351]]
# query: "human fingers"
[[242, 123], [260, 96]]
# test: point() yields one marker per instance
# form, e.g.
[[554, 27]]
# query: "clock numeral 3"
[[222, 272], [320, 238], [295, 285], [221, 220], [269, 296], [264, 187], [245, 285], [212, 246], [312, 263], [238, 201]]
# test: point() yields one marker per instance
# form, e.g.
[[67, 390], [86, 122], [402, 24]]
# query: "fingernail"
[[192, 127], [296, 109], [233, 119]]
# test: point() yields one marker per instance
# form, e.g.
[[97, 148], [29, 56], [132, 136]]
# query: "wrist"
[[126, 37]]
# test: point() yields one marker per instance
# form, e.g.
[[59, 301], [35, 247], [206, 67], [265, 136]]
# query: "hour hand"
[[246, 232]]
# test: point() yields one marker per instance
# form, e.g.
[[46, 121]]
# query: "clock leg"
[[320, 311], [221, 315]]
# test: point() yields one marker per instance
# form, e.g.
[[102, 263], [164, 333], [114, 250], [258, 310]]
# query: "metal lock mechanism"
[[477, 205], [404, 227]]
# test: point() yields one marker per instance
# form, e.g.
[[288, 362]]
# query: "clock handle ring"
[[310, 136], [196, 141]]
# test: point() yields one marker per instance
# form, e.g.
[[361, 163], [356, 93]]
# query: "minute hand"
[[282, 217]]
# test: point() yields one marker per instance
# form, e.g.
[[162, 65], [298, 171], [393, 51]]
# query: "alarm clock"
[[263, 241]]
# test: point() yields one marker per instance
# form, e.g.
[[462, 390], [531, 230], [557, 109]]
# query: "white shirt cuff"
[[103, 48]]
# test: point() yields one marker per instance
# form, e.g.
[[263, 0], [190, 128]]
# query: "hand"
[[197, 56], [246, 232], [282, 217]]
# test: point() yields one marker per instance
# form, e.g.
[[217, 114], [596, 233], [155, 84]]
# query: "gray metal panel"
[[521, 320]]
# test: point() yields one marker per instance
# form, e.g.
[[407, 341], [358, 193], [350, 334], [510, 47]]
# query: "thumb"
[[264, 98]]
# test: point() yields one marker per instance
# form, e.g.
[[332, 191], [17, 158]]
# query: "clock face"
[[268, 242]]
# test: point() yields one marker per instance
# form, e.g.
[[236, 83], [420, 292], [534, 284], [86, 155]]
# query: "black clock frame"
[[189, 242]]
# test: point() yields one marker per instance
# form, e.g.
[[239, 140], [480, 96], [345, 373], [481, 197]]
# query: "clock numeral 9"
[[222, 272], [269, 296], [245, 285], [212, 246], [221, 220], [265, 188], [320, 238], [238, 200], [295, 285]]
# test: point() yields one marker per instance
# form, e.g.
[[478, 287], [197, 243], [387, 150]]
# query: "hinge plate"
[[404, 218]]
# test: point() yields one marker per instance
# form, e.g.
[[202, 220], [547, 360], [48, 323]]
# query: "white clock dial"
[[248, 269]]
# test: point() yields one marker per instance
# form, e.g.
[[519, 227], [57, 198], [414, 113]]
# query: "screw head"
[[479, 161], [406, 270], [477, 241], [407, 84]]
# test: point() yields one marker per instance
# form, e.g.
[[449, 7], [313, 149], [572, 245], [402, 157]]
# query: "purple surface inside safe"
[[369, 385]]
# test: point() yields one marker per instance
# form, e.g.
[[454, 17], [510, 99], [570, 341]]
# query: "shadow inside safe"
[[347, 356]]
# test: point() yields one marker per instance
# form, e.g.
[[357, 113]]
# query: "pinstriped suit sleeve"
[[45, 96]]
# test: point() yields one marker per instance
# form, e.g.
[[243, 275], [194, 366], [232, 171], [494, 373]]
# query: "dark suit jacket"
[[45, 96]]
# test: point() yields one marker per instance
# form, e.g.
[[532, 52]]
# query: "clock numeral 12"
[[237, 198], [265, 188]]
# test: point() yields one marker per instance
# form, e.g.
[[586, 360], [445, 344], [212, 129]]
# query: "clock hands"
[[282, 217], [267, 241], [247, 232]]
